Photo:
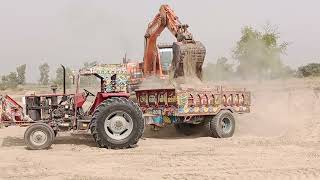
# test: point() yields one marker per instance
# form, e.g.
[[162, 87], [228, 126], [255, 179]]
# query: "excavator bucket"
[[188, 59]]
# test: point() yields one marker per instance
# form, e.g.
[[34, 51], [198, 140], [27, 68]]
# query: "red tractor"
[[114, 121]]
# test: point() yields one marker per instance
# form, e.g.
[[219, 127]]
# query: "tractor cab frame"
[[113, 83]]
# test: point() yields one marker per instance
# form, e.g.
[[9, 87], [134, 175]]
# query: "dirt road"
[[76, 157], [281, 142]]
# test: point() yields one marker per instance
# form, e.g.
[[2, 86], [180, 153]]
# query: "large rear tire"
[[222, 125], [117, 123], [39, 136]]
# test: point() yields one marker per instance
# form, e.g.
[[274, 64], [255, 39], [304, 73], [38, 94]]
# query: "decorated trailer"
[[188, 108]]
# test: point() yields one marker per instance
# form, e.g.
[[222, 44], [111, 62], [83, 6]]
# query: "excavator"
[[188, 54]]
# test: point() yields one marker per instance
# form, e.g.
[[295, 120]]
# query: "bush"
[[9, 81], [2, 86], [312, 69]]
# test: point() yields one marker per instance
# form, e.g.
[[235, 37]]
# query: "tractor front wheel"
[[117, 123], [39, 136]]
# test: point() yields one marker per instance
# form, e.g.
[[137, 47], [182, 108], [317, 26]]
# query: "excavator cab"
[[166, 55]]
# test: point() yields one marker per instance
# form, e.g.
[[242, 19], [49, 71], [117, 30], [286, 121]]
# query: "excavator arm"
[[185, 49]]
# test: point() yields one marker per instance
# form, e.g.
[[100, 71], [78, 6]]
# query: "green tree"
[[2, 84], [259, 53], [59, 77], [21, 74], [9, 81], [44, 73]]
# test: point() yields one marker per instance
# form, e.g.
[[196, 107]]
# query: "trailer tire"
[[39, 136], [222, 125], [117, 123]]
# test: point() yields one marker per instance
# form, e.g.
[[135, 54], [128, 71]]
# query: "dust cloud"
[[280, 108], [153, 82]]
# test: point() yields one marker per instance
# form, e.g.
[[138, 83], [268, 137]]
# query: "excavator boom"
[[188, 55]]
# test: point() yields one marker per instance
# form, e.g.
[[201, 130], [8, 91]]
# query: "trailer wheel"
[[117, 123], [222, 125], [39, 136]]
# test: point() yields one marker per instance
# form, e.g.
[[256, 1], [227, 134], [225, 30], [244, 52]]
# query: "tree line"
[[257, 55], [14, 79]]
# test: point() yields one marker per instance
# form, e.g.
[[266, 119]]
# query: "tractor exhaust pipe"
[[64, 79]]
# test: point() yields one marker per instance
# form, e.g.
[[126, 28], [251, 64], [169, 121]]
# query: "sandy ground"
[[280, 139]]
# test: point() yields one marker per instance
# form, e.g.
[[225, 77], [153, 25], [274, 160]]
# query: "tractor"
[[113, 119]]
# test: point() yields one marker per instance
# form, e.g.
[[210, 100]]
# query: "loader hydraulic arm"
[[185, 45]]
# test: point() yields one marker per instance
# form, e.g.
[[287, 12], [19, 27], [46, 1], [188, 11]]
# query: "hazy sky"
[[74, 31]]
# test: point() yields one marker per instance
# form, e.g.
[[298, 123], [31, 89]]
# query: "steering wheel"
[[88, 93]]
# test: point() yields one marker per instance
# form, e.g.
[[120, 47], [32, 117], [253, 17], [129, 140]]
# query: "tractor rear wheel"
[[117, 123], [39, 136], [222, 125]]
